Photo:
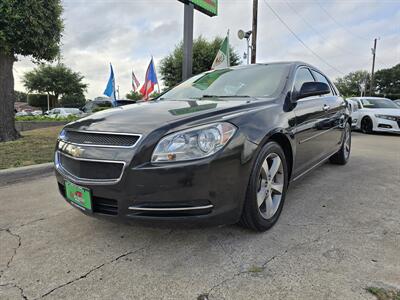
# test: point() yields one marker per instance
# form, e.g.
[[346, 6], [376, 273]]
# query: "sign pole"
[[187, 41]]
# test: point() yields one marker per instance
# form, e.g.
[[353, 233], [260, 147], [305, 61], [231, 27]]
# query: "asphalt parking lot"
[[338, 234]]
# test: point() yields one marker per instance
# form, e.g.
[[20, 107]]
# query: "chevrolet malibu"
[[219, 148]]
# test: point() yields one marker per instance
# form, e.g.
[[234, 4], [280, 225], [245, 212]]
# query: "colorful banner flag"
[[110, 88], [150, 81], [222, 59], [135, 82]]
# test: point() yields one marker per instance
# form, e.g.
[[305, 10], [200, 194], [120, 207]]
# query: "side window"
[[302, 75], [56, 111], [321, 78]]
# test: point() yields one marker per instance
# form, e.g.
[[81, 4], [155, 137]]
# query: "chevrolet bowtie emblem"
[[72, 150]]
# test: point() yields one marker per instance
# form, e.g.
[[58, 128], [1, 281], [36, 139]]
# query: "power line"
[[340, 25], [317, 32], [300, 40]]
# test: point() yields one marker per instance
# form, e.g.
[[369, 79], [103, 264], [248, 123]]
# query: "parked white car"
[[376, 114], [24, 113], [37, 112], [62, 112], [354, 112]]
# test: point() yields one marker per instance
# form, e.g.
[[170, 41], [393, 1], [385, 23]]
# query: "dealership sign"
[[209, 7]]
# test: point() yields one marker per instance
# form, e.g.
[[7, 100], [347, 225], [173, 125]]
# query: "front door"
[[312, 121], [335, 108]]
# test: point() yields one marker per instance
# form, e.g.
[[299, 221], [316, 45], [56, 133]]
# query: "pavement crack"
[[226, 252], [8, 230], [31, 222], [263, 267], [21, 290], [91, 271]]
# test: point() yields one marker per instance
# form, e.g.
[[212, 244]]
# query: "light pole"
[[254, 31], [373, 50], [246, 35]]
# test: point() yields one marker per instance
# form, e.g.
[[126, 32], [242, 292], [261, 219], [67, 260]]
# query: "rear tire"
[[266, 189], [366, 125], [342, 156]]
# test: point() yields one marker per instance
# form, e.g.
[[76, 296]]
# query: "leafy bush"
[[75, 100], [46, 118], [101, 108], [38, 100]]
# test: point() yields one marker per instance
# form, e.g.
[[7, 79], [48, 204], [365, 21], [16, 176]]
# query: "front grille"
[[105, 206], [100, 139], [92, 170]]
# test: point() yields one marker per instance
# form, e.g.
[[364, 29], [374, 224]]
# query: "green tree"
[[76, 100], [38, 100], [204, 53], [349, 85], [154, 95], [387, 82], [20, 96], [56, 81], [27, 28], [134, 95]]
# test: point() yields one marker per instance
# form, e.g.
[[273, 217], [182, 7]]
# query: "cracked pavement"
[[339, 232]]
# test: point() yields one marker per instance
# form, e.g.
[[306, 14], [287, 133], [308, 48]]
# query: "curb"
[[14, 175]]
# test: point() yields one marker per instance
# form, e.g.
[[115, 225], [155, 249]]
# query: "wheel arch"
[[365, 117], [286, 144]]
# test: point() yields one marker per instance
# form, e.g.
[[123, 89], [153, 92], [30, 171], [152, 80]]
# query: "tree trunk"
[[7, 99]]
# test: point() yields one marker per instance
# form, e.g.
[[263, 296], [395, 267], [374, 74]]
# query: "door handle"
[[326, 107]]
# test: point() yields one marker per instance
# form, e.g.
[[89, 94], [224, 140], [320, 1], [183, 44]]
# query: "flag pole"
[[228, 56]]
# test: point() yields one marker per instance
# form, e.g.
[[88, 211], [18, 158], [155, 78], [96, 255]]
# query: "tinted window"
[[378, 103], [255, 81], [321, 78], [303, 75]]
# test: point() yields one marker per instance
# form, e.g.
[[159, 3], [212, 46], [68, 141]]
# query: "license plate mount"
[[79, 196]]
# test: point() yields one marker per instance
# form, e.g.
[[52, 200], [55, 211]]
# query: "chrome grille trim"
[[170, 208], [77, 179], [139, 136]]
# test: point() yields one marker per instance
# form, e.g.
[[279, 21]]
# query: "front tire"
[[366, 125], [266, 190], [342, 156]]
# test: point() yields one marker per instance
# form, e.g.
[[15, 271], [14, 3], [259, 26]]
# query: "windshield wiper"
[[225, 96]]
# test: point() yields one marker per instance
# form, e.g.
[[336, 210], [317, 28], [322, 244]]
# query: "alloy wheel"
[[366, 125], [347, 141], [270, 186]]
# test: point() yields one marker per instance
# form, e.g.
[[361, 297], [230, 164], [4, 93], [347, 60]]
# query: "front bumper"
[[384, 125], [209, 191]]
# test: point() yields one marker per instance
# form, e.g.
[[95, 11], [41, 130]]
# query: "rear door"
[[311, 120], [335, 108]]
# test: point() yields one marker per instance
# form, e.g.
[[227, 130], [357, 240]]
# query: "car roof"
[[377, 98], [290, 63]]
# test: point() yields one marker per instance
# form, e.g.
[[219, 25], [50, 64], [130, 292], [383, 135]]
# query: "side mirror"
[[309, 89]]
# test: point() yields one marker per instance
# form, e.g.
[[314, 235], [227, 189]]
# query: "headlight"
[[194, 143], [61, 136], [391, 118]]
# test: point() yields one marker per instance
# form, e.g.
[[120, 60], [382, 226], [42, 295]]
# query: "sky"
[[337, 35]]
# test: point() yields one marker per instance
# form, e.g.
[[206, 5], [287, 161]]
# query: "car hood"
[[383, 111], [145, 117]]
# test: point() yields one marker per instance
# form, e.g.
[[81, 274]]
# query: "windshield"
[[378, 103], [256, 81]]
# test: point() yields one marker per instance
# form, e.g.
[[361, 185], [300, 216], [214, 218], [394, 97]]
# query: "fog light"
[[385, 126]]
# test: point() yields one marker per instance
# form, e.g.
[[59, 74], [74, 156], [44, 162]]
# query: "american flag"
[[135, 82]]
